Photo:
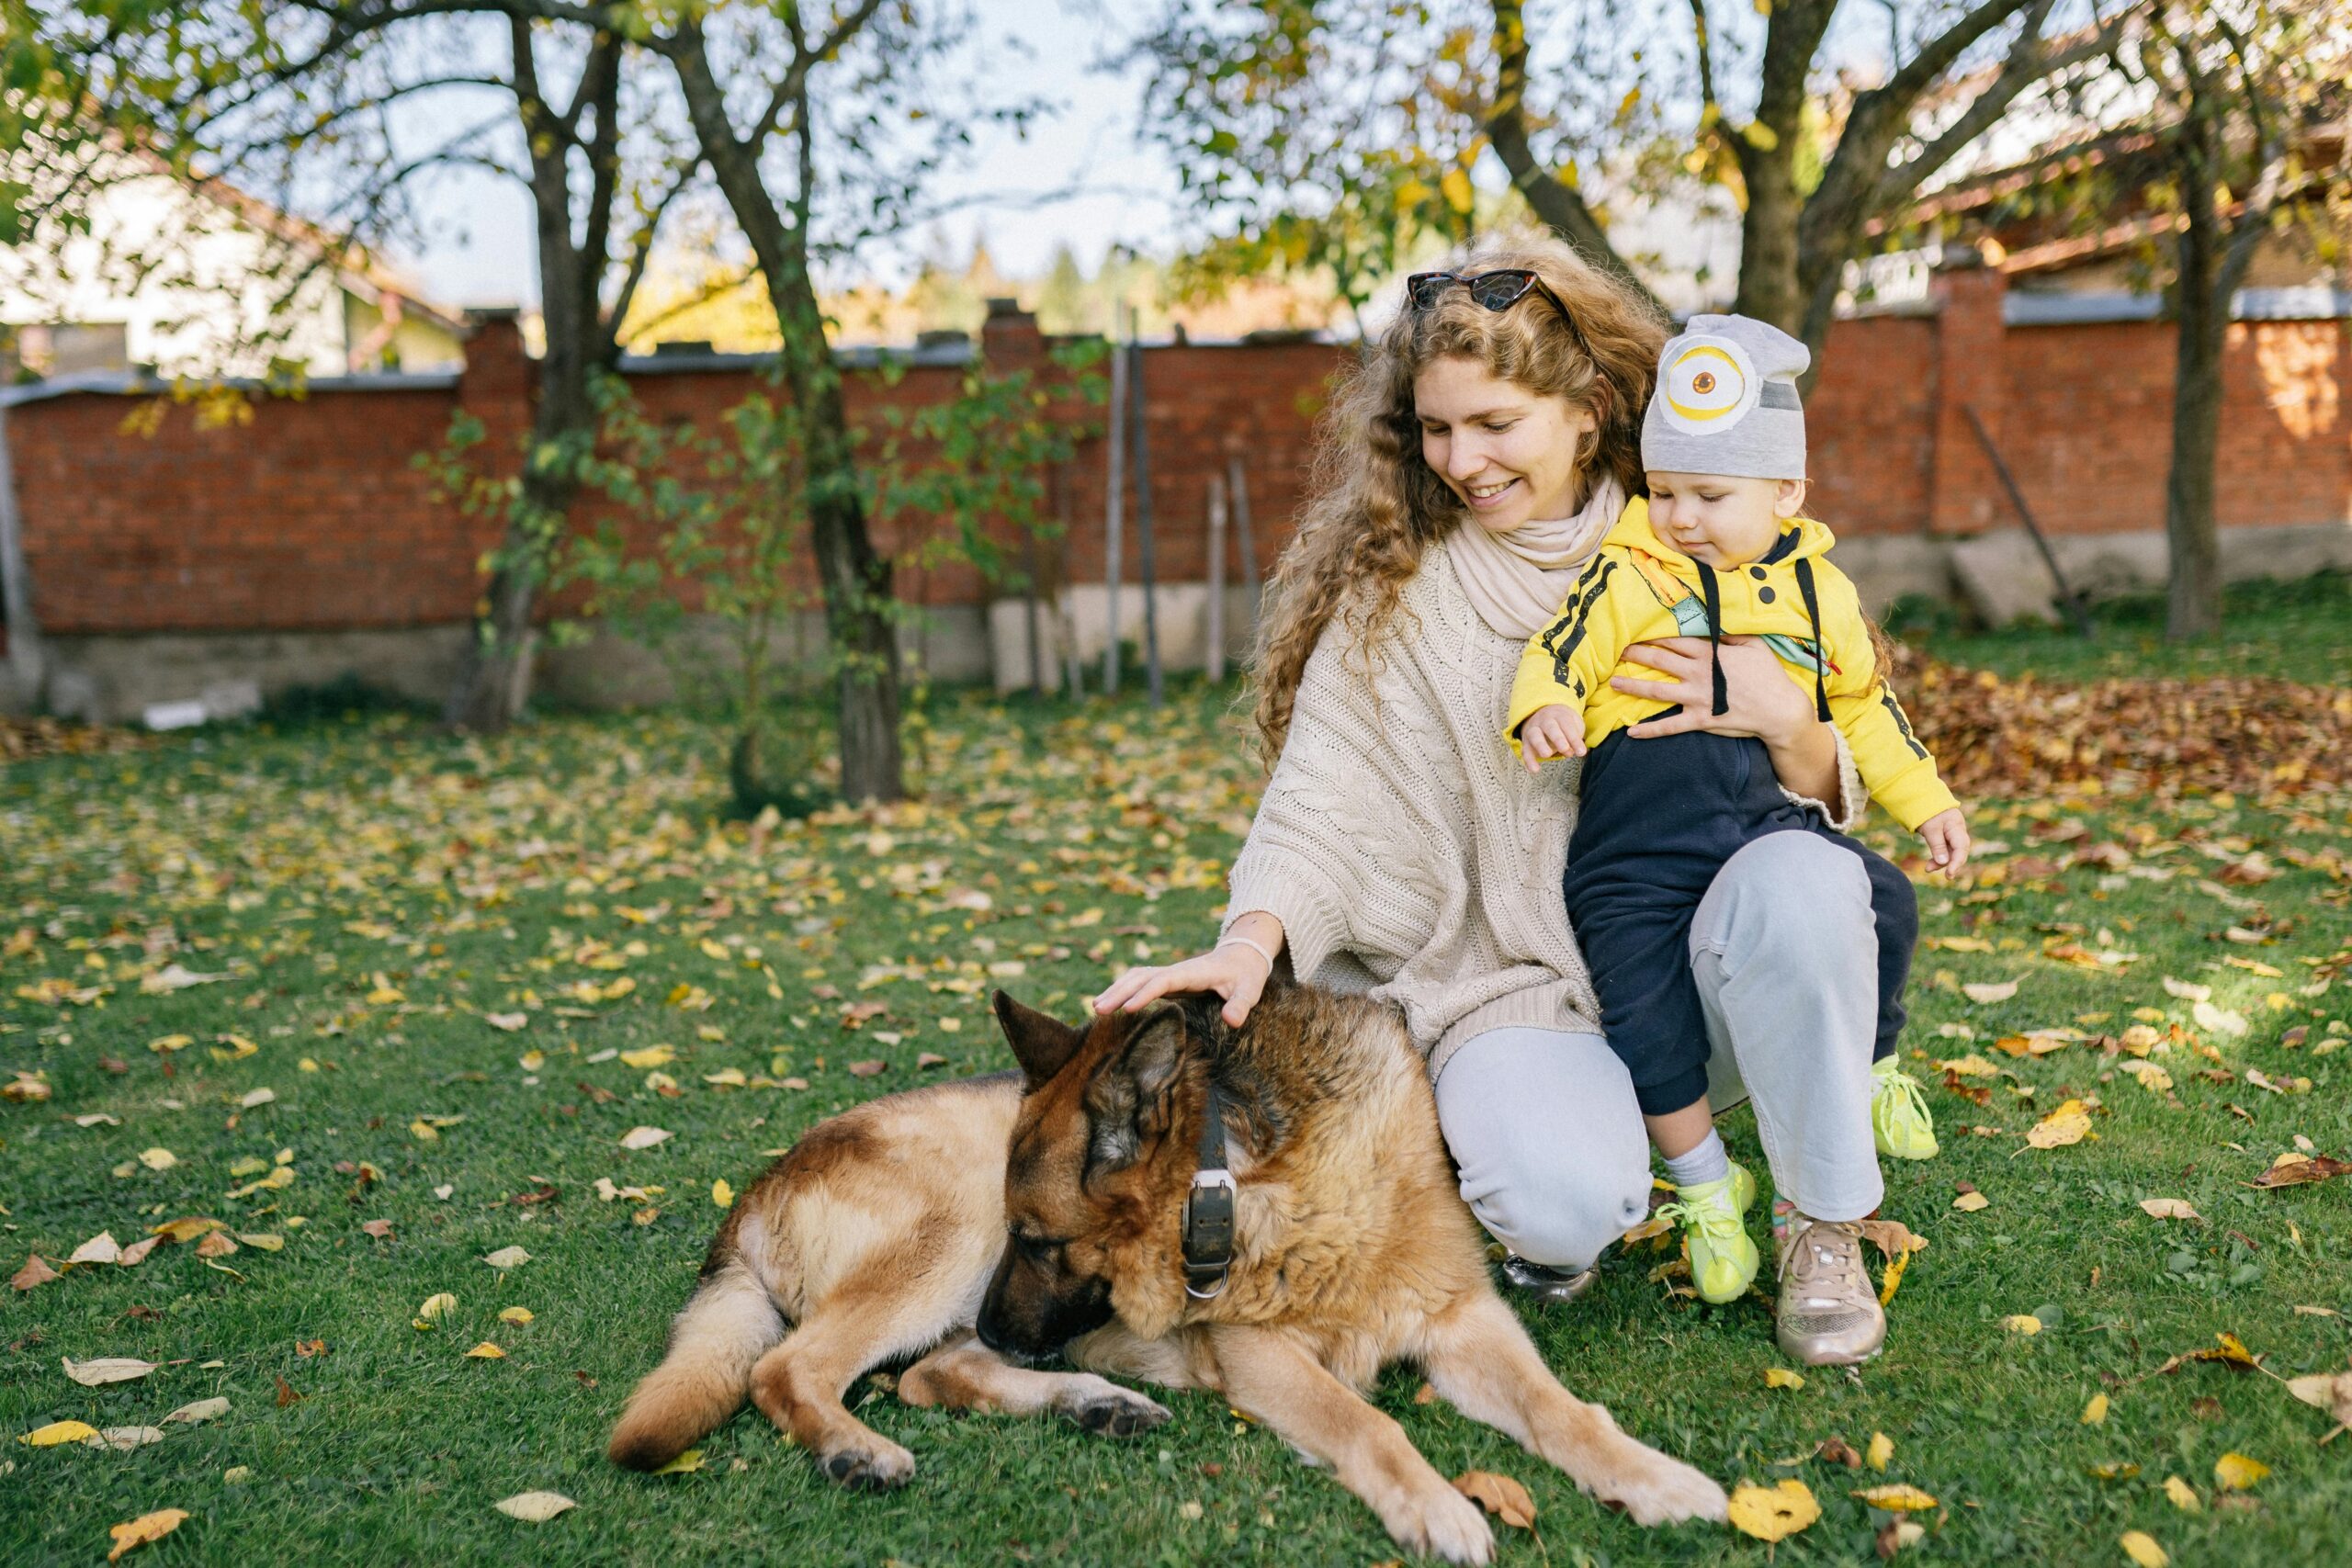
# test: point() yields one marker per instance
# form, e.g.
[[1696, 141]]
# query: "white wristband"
[[1235, 939]]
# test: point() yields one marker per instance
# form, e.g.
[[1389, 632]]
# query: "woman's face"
[[1509, 452]]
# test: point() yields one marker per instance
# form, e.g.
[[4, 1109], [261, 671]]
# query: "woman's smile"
[[1485, 494]]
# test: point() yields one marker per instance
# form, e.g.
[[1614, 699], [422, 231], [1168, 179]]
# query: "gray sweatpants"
[[1554, 1159]]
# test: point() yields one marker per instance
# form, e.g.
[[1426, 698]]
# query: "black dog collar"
[[1208, 1209]]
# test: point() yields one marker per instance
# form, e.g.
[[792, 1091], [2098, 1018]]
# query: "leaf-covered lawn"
[[387, 1005]]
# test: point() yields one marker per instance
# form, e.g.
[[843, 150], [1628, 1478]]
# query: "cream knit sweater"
[[1407, 852]]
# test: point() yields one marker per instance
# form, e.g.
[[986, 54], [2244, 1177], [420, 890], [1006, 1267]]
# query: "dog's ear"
[[1128, 1103], [1043, 1045]]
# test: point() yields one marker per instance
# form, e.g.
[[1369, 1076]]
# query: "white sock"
[[1709, 1161]]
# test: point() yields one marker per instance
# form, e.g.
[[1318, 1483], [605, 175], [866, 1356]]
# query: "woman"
[[1479, 455]]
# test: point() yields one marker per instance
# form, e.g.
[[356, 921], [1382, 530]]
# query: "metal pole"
[[1143, 521], [1114, 506], [1215, 662], [2071, 600]]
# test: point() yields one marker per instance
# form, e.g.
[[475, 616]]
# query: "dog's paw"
[[1666, 1491], [1120, 1413], [875, 1464], [1441, 1522]]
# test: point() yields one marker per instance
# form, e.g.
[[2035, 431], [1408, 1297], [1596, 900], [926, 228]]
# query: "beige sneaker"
[[1829, 1314]]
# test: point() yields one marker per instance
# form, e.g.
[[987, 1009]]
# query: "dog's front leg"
[[967, 1375], [1479, 1360], [1272, 1378]]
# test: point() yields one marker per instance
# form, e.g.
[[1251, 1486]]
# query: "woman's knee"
[[1546, 1132], [1785, 888], [1561, 1214]]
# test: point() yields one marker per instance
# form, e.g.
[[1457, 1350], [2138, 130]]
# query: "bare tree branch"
[[1558, 204]]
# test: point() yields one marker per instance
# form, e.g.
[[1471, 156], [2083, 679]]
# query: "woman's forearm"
[[1807, 762]]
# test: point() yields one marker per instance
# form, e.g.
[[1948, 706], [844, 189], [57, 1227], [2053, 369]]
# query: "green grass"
[[372, 889], [2294, 631]]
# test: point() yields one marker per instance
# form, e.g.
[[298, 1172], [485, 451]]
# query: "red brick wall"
[[2087, 423], [313, 517]]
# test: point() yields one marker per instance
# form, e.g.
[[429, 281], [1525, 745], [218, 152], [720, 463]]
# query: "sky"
[[478, 247]]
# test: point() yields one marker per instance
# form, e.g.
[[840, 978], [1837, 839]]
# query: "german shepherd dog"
[[984, 1224]]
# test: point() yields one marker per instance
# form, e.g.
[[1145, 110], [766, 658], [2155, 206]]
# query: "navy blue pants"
[[1657, 820]]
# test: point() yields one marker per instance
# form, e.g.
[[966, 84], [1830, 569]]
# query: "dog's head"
[[1094, 1178]]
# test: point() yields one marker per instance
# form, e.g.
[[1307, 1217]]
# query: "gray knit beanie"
[[1727, 401]]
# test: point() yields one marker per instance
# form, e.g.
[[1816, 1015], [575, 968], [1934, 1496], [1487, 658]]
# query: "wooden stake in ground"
[[1143, 521], [1236, 484], [1113, 504], [1214, 661]]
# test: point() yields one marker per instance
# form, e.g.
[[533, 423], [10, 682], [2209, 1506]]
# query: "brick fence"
[[182, 551]]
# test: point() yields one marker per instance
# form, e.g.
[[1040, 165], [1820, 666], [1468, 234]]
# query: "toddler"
[[1720, 549]]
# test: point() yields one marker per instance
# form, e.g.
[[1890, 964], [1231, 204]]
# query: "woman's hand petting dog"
[[1237, 969]]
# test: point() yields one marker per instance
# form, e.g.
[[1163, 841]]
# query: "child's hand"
[[1552, 730], [1945, 836]]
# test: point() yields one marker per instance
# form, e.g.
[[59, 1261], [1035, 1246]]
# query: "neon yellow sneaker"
[[1723, 1260], [1899, 1117]]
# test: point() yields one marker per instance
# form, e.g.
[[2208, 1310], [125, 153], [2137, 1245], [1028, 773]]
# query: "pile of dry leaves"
[[1993, 736], [24, 737]]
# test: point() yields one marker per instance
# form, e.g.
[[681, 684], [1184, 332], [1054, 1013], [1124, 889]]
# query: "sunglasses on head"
[[1496, 290]]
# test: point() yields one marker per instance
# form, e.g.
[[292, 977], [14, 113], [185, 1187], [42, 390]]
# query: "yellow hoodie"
[[1639, 589]]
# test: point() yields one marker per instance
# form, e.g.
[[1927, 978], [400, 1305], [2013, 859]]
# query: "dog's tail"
[[728, 1324]]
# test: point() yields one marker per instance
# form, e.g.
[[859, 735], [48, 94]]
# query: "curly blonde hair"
[[1374, 505]]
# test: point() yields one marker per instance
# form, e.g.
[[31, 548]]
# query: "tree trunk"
[[1770, 289], [494, 677], [1768, 243], [2194, 579], [854, 579]]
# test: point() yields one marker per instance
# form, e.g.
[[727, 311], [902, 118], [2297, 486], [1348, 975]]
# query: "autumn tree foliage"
[[1301, 125]]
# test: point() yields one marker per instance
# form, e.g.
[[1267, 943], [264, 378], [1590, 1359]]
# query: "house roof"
[[356, 271]]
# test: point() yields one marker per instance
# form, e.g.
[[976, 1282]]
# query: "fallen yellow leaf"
[[1881, 1451], [685, 1464], [2023, 1322], [486, 1351], [722, 1195], [2142, 1548], [515, 1315], [2070, 1123], [652, 1056], [1896, 1499], [2239, 1472], [144, 1529], [2096, 1411], [1500, 1495], [435, 1308], [2169, 1209], [1773, 1513], [1969, 1202], [58, 1432], [2184, 1496], [1780, 1377], [533, 1507]]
